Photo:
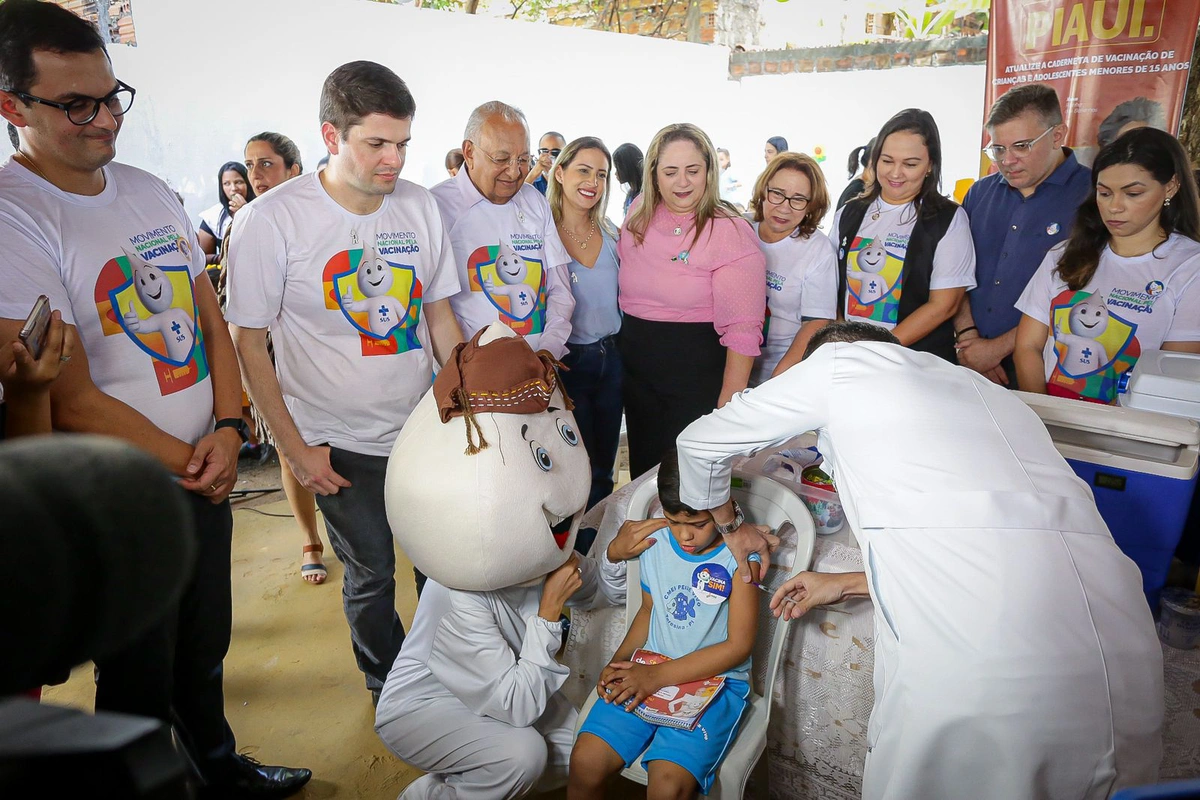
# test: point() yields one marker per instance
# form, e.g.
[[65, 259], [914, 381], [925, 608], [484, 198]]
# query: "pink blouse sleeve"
[[739, 289]]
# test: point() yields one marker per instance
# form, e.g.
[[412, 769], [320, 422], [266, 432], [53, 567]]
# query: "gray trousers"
[[358, 530]]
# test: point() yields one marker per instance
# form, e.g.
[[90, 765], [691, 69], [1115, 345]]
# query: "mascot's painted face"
[[510, 266], [151, 284], [374, 276], [873, 257], [500, 517], [1089, 318]]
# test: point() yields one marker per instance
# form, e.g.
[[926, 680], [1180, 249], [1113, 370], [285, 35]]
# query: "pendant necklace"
[[878, 210], [678, 230], [584, 242], [33, 164]]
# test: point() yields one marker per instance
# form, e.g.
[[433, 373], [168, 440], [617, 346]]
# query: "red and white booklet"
[[676, 706]]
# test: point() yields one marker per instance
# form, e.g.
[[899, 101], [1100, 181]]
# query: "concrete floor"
[[293, 694]]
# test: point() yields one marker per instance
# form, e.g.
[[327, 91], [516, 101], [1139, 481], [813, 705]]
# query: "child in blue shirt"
[[698, 614]]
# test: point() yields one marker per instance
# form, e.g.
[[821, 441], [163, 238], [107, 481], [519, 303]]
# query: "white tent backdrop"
[[211, 73]]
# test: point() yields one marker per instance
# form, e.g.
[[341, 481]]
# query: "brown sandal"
[[317, 571]]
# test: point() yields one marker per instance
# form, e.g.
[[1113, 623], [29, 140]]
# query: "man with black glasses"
[[549, 146], [113, 250], [1017, 214]]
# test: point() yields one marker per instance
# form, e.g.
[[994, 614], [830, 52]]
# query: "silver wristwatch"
[[738, 519]]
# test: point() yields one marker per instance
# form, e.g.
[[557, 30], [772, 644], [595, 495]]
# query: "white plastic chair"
[[766, 502]]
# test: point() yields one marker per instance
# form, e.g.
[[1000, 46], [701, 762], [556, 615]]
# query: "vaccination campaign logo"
[[874, 276], [155, 306], [712, 584], [513, 284], [1093, 346], [379, 298]]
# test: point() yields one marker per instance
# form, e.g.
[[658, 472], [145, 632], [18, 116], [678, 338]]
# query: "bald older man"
[[511, 263]]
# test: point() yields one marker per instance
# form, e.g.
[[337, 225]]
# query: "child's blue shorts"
[[699, 751]]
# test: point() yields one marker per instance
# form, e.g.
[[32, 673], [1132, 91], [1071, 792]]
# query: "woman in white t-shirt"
[[233, 192], [905, 254], [1128, 279], [790, 200]]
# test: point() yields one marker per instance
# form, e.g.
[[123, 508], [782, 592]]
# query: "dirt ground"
[[293, 694]]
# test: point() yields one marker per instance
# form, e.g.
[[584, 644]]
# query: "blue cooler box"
[[1142, 468]]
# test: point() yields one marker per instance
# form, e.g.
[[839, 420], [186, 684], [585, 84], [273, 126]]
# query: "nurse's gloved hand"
[[752, 539]]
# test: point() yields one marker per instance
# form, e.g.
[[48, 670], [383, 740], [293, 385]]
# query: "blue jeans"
[[358, 529], [594, 385]]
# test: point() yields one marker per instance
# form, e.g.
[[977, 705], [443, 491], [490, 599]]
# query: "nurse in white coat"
[[1015, 655]]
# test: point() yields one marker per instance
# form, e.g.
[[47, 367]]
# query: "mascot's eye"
[[567, 433], [540, 456]]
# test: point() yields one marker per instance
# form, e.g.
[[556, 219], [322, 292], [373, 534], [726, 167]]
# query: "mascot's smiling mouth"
[[561, 527]]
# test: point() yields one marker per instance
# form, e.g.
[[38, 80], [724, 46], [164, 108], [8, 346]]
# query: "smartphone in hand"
[[33, 332]]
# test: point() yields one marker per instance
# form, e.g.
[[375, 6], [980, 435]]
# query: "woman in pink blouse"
[[693, 292]]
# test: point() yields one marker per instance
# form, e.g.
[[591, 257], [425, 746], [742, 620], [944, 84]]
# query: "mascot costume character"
[[485, 489]]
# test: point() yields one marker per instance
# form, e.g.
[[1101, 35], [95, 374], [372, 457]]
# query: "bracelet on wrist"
[[958, 334]]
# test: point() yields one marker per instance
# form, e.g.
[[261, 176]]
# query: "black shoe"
[[246, 777]]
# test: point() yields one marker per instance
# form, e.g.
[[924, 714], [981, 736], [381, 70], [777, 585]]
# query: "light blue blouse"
[[597, 314]]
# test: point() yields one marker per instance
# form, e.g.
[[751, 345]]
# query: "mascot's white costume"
[[473, 698]]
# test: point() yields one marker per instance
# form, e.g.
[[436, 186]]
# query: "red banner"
[[1109, 60]]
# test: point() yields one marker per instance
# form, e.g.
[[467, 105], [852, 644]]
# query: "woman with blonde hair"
[[578, 197], [790, 200], [692, 288]]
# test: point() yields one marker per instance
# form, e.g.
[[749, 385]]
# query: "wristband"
[[966, 330]]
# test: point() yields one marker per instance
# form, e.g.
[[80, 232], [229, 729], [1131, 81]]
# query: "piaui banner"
[[1112, 62]]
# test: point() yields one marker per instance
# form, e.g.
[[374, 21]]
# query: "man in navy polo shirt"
[[1017, 215]]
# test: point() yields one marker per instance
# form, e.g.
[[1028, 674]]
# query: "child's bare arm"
[[635, 637]]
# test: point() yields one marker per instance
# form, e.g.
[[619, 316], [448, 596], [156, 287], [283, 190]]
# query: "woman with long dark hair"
[[693, 287], [858, 170], [233, 192], [1127, 280], [578, 197], [905, 253], [627, 163]]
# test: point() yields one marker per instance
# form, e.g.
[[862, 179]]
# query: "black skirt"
[[673, 373]]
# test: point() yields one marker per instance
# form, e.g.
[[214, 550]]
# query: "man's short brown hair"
[[1036, 97], [360, 88]]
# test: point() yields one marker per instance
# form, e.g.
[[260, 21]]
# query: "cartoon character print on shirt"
[[155, 306], [1094, 346], [680, 604], [874, 278], [379, 298], [514, 284]]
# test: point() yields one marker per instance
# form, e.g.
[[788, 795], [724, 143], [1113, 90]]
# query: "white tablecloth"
[[816, 741]]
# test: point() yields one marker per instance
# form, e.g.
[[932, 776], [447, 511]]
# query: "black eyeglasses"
[[83, 110], [798, 202], [554, 151]]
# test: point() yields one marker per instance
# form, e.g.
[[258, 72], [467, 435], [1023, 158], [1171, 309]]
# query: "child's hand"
[[607, 683], [632, 683]]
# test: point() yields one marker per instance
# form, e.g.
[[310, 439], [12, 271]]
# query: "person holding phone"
[[28, 365], [114, 251]]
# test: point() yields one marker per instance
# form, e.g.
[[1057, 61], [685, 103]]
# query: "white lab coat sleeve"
[[786, 406], [470, 657], [603, 583], [560, 301]]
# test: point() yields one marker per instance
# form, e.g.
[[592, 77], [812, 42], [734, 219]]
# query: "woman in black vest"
[[905, 254]]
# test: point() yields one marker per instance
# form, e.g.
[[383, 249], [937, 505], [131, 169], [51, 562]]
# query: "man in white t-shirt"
[[351, 271], [511, 263], [113, 250]]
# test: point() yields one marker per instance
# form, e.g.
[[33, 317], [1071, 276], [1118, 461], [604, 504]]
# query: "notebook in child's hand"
[[676, 706]]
